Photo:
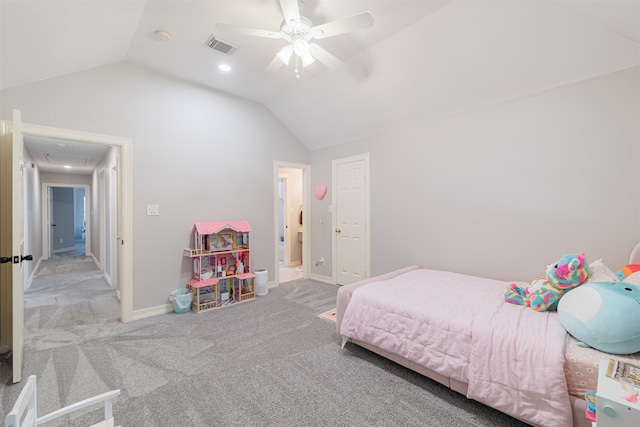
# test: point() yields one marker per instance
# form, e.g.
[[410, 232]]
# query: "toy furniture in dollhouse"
[[204, 294], [244, 285], [220, 264]]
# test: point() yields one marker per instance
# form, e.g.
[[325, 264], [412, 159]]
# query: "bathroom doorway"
[[290, 218]]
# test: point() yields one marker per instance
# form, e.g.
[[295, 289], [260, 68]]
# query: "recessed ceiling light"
[[67, 167], [224, 67]]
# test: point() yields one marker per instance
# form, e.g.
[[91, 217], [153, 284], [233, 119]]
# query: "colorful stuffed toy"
[[543, 294]]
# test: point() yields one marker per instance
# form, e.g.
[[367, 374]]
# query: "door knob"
[[338, 230], [26, 258], [4, 259]]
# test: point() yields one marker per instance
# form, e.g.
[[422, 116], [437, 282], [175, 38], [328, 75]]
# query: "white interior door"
[[11, 224], [59, 216], [351, 237], [51, 222]]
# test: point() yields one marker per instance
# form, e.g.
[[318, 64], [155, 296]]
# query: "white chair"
[[27, 405]]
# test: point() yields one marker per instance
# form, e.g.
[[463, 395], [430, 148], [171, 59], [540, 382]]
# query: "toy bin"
[[181, 299]]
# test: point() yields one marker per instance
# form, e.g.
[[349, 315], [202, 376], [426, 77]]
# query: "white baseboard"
[[107, 278], [32, 275], [168, 308], [323, 279], [96, 261], [152, 311]]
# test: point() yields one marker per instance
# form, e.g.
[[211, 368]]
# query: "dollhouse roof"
[[213, 227]]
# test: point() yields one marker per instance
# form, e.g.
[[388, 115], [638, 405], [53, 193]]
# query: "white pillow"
[[598, 272]]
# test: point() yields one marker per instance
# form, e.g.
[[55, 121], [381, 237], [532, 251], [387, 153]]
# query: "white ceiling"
[[421, 59], [71, 157]]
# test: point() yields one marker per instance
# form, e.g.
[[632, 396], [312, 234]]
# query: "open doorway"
[[117, 168], [291, 194], [65, 213]]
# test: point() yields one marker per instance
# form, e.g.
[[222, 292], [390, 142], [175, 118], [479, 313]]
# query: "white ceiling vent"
[[215, 43]]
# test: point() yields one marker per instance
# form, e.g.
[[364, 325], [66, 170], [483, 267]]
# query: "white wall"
[[504, 190], [198, 153]]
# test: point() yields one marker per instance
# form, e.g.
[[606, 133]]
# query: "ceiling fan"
[[298, 31]]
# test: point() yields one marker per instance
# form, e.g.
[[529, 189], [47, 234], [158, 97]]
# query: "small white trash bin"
[[262, 277]]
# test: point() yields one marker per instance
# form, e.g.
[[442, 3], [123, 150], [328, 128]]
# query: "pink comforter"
[[511, 357]]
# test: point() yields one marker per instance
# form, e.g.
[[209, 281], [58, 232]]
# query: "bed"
[[458, 330]]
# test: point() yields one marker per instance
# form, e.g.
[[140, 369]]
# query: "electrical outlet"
[[61, 240]]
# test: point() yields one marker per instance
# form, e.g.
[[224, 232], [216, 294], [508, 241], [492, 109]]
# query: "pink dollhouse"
[[220, 264]]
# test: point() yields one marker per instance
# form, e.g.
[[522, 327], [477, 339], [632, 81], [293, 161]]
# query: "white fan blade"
[[248, 31], [323, 56], [345, 25], [275, 65], [290, 10]]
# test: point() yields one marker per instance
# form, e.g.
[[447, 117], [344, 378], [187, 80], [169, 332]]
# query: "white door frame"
[[367, 207], [306, 191], [102, 215], [46, 216], [125, 199]]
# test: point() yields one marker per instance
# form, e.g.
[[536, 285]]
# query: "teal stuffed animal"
[[604, 315], [543, 294]]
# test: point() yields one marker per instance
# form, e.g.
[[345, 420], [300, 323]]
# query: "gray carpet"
[[266, 362]]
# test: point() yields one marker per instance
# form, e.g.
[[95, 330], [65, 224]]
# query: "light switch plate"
[[153, 210]]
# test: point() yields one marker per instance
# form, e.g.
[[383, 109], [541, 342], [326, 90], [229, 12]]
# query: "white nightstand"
[[611, 409]]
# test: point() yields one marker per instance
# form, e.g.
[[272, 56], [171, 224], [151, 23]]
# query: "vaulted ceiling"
[[420, 60]]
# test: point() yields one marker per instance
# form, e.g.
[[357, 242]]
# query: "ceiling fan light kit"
[[298, 30], [285, 54]]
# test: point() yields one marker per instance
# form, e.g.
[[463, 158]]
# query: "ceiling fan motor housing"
[[302, 29]]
